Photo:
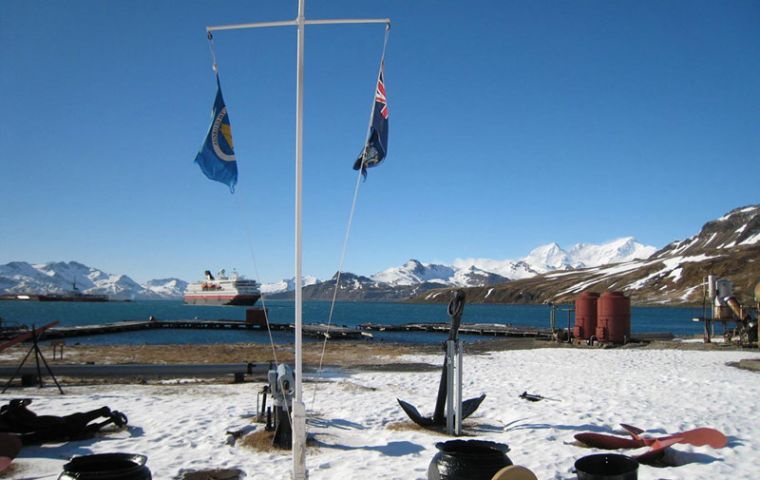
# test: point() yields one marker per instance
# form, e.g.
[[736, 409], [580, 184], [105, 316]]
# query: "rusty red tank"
[[585, 315], [613, 318]]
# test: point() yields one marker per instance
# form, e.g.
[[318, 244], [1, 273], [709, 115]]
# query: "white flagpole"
[[298, 421]]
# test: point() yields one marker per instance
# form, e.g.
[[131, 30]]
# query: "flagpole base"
[[299, 441]]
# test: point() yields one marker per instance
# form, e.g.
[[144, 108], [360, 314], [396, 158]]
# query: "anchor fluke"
[[468, 408], [412, 412]]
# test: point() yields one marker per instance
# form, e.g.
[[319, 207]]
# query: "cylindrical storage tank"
[[724, 288], [613, 317], [585, 315]]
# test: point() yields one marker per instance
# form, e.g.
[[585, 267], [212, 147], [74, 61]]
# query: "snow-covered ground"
[[355, 418]]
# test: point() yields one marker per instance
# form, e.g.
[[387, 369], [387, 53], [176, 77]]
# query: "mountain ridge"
[[415, 278], [396, 283], [727, 246]]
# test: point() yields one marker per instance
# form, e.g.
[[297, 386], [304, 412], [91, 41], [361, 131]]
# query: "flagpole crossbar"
[[294, 23], [338, 21]]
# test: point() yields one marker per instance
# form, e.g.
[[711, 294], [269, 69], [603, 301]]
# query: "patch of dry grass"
[[261, 441], [343, 353]]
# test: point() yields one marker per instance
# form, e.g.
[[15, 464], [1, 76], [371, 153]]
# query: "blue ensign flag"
[[377, 141], [217, 155]]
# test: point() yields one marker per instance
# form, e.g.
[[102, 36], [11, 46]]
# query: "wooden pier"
[[334, 332], [317, 330], [486, 329]]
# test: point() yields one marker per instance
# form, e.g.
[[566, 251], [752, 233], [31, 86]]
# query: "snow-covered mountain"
[[286, 285], [728, 247], [584, 255], [393, 283], [414, 272], [551, 257], [415, 277], [548, 257], [61, 277], [166, 287], [738, 228]]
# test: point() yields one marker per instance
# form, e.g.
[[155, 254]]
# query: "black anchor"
[[456, 308]]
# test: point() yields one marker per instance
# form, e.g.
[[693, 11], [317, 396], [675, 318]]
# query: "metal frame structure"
[[454, 354], [299, 410]]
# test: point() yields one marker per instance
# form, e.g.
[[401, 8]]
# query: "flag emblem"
[[380, 96], [377, 139], [221, 137], [216, 157]]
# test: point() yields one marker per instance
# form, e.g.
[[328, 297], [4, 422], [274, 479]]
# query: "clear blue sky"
[[512, 124]]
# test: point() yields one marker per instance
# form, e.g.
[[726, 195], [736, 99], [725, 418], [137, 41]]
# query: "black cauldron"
[[107, 466], [607, 466], [468, 460]]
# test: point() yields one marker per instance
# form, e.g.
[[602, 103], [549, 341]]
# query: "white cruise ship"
[[223, 290]]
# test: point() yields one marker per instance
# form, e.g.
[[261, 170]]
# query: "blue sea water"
[[677, 320]]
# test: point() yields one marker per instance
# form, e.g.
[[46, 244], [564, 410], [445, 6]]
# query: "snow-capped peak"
[[621, 250], [548, 257], [61, 277], [552, 257], [413, 272], [286, 285]]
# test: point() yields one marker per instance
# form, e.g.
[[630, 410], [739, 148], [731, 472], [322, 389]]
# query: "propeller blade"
[[608, 442], [701, 436], [697, 437], [635, 432]]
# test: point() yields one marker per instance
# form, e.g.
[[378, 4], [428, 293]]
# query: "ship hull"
[[54, 297], [77, 298], [246, 300]]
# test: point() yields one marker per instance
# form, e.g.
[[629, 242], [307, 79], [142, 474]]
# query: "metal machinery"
[[726, 308], [281, 388], [450, 387]]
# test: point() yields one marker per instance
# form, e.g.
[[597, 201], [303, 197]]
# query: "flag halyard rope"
[[348, 226], [337, 280], [238, 203], [249, 239], [212, 48]]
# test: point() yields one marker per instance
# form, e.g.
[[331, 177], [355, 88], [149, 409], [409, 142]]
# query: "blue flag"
[[217, 155], [377, 142]]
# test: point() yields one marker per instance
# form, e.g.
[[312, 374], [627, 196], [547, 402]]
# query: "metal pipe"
[[238, 26], [450, 381], [458, 380], [298, 421], [295, 23], [341, 21]]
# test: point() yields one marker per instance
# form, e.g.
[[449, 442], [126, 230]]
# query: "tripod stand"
[[37, 357]]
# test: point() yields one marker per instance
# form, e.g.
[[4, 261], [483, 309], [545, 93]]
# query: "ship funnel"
[[208, 275]]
